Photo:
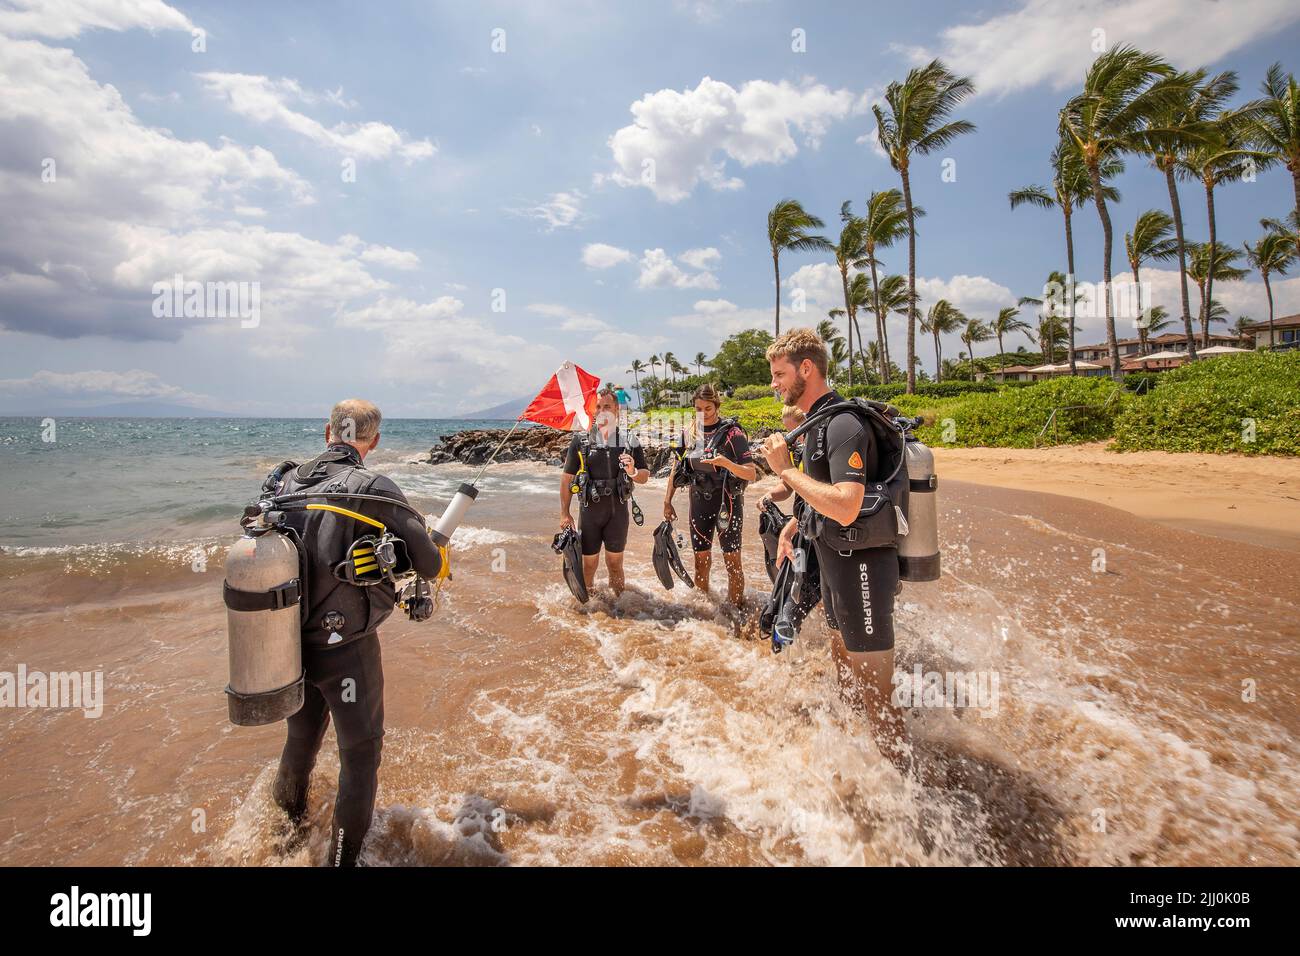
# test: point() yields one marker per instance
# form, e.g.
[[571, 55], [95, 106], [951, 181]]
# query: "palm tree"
[[1224, 260], [654, 361], [917, 123], [942, 319], [830, 334], [1221, 158], [1288, 229], [1051, 325], [670, 365], [1184, 119], [849, 254], [1272, 253], [1275, 127], [1071, 189], [637, 368], [974, 331], [1149, 240], [1157, 320], [787, 228], [700, 360], [884, 224], [860, 295], [1122, 93], [1005, 324], [1244, 335]]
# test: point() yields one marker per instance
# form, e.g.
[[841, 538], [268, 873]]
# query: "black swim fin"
[[568, 544], [770, 522], [667, 559]]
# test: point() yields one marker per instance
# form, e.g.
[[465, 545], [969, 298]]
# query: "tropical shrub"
[[1234, 403]]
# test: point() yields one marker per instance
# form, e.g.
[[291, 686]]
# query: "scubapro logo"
[[864, 576], [103, 909]]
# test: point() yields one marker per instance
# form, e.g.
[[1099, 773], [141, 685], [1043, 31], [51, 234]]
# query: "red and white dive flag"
[[568, 398]]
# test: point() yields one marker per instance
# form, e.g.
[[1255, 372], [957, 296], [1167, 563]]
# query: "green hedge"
[[949, 389], [1013, 417], [747, 393], [1201, 407]]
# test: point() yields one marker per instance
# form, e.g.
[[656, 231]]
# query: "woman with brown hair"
[[717, 466]]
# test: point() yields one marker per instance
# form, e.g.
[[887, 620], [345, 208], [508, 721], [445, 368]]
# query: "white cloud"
[[561, 210], [266, 101], [1051, 41], [572, 320], [659, 271], [598, 255], [701, 258], [95, 384], [390, 258], [680, 139], [64, 19], [978, 296], [714, 306]]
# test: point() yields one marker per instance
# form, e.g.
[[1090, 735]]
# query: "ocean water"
[[170, 480]]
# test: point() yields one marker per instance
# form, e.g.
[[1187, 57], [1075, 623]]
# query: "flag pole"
[[493, 456]]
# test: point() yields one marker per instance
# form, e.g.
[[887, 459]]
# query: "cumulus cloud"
[[561, 210], [658, 270], [571, 319], [678, 140], [599, 255], [701, 258], [1051, 41], [267, 101], [390, 258], [714, 306], [64, 19]]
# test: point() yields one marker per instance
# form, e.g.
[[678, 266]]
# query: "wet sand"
[[651, 730]]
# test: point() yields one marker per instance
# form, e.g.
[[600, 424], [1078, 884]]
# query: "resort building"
[[1286, 332]]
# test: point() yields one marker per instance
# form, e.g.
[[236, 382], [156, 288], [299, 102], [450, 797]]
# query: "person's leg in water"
[[729, 541], [306, 732], [866, 680], [735, 578], [590, 562], [614, 565], [704, 519]]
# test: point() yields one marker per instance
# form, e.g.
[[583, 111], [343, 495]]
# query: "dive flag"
[[569, 398]]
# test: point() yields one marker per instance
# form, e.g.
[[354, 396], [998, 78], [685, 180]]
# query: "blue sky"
[[497, 222]]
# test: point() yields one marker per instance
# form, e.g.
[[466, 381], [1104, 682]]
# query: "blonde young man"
[[840, 458]]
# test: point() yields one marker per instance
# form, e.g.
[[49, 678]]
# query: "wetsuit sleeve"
[[404, 524], [852, 449], [738, 443], [571, 464]]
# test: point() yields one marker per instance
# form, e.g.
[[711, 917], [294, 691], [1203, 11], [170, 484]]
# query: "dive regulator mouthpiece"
[[452, 517]]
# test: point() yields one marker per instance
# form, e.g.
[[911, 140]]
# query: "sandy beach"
[[1251, 499]]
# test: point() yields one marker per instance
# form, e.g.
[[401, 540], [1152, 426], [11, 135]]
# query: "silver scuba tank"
[[263, 594], [918, 550]]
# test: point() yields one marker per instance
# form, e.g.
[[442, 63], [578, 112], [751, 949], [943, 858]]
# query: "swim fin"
[[568, 544], [796, 590], [667, 559], [770, 522]]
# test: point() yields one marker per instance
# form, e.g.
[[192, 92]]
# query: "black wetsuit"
[[858, 587], [603, 518], [714, 488], [341, 655]]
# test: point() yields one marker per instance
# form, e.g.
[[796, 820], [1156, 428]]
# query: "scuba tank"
[[263, 595], [918, 551]]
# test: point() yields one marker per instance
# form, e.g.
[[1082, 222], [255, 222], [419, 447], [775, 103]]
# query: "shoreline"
[[1255, 500]]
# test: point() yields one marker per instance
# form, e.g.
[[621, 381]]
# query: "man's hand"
[[670, 513], [776, 452], [566, 521], [628, 463], [763, 502], [785, 544]]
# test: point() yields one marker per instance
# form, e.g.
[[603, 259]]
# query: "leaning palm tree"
[[1005, 324], [1051, 325], [1184, 118], [1242, 329], [637, 368], [670, 365], [654, 361], [1223, 260], [860, 296], [700, 360], [917, 124], [1275, 127], [787, 229], [1122, 94], [942, 319], [829, 333], [884, 223], [1149, 239], [1272, 254], [1071, 189], [1157, 321]]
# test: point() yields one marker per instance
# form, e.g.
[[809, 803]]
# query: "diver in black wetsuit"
[[858, 585], [717, 470], [341, 655], [603, 463]]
